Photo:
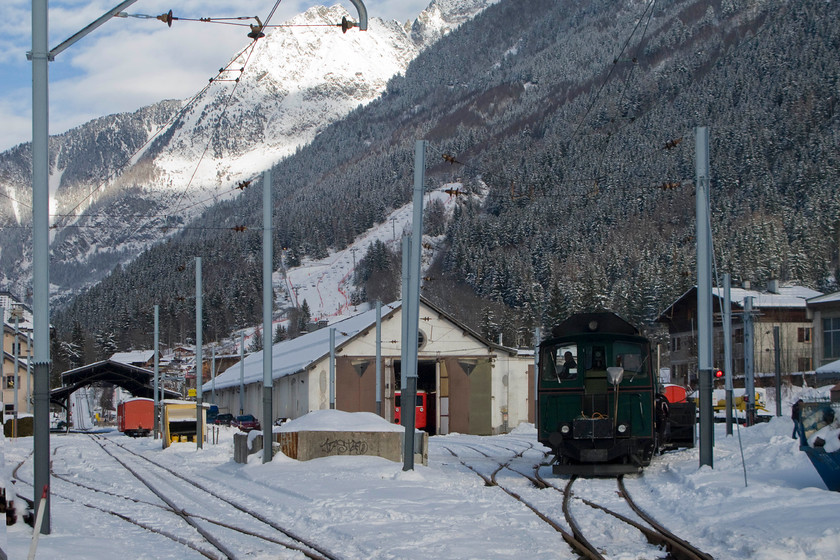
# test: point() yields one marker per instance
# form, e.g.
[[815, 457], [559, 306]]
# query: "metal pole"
[[332, 368], [413, 308], [778, 355], [40, 56], [406, 255], [40, 256], [242, 373], [28, 373], [157, 371], [537, 340], [727, 348], [267, 269], [749, 361], [199, 358], [15, 376], [378, 358], [213, 375], [704, 297]]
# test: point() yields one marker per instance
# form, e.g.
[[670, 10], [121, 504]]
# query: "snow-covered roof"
[[791, 297], [133, 357], [827, 298], [291, 356], [787, 296], [831, 367]]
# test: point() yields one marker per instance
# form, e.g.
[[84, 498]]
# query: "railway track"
[[186, 512], [673, 547], [157, 477], [612, 516]]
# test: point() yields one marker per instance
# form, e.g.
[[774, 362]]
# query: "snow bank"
[[339, 421]]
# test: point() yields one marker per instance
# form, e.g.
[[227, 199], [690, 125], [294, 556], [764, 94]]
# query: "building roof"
[[293, 356], [787, 297], [133, 357], [825, 298], [831, 367]]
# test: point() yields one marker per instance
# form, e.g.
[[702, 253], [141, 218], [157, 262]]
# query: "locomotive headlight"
[[622, 428], [564, 429]]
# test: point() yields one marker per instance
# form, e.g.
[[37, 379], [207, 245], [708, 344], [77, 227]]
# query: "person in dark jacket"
[[796, 416]]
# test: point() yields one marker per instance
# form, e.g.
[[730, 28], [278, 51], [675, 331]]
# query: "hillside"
[[122, 183], [579, 118]]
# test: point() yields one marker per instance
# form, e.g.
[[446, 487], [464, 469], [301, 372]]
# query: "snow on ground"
[[773, 505]]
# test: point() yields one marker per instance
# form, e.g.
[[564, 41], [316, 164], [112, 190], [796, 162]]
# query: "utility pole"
[[213, 374], [749, 360], [378, 358], [411, 311], [242, 373], [157, 372], [332, 368], [727, 348], [16, 350], [40, 55], [268, 334], [704, 296], [199, 358], [777, 353]]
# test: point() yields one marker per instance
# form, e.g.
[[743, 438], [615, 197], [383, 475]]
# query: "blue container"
[[827, 465], [814, 416]]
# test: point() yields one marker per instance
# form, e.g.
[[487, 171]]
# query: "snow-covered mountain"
[[120, 182]]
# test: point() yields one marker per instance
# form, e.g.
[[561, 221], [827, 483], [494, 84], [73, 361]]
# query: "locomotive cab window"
[[632, 358], [560, 363], [597, 359]]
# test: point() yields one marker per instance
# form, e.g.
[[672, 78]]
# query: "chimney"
[[746, 284], [773, 286]]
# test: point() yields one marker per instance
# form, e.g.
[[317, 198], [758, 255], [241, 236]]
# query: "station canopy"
[[136, 380]]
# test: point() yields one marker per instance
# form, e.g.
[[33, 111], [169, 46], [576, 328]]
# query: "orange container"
[[674, 393], [135, 417]]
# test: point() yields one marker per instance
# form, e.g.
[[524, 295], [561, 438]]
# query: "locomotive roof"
[[598, 322]]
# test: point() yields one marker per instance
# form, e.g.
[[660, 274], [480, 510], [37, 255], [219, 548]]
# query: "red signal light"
[[718, 373]]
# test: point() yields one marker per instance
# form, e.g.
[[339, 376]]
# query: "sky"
[[761, 499], [132, 62]]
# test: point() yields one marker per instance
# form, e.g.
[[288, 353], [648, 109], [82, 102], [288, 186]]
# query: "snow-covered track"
[[299, 544], [667, 544], [145, 526], [491, 480]]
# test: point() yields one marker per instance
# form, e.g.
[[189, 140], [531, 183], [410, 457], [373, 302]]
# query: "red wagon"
[[136, 417]]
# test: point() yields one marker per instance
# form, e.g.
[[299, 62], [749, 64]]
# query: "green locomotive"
[[597, 396]]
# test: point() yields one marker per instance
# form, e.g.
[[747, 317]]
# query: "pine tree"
[[256, 341], [280, 334]]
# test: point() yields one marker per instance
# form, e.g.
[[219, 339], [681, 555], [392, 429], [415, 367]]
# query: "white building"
[[475, 386]]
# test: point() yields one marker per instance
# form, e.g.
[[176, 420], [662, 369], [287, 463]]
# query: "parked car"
[[246, 423], [223, 419]]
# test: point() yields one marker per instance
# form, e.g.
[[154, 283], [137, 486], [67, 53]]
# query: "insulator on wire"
[[256, 30], [167, 18], [347, 24]]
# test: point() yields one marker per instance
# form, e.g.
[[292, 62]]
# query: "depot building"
[[472, 385]]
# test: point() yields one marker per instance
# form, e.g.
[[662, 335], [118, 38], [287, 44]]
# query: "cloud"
[[132, 62]]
